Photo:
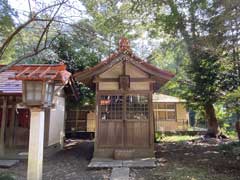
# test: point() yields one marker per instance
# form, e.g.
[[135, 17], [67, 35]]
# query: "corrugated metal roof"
[[165, 98], [9, 86]]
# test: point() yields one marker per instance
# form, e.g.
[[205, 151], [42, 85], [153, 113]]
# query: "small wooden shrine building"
[[124, 86], [170, 113]]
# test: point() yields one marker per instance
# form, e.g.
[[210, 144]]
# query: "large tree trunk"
[[213, 128]]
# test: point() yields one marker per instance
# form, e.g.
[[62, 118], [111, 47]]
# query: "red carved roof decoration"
[[124, 45]]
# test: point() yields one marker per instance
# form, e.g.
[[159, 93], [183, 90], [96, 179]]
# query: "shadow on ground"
[[68, 164], [192, 160], [188, 160]]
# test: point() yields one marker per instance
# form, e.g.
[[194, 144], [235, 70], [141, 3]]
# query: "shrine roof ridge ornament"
[[124, 45]]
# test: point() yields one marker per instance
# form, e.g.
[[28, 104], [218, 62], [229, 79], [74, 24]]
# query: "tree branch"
[[21, 59], [22, 26]]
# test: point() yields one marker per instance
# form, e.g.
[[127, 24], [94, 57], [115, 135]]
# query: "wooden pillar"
[[47, 112], [12, 122], [151, 121], [3, 125], [36, 139]]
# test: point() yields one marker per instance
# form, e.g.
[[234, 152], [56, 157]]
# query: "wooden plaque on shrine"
[[124, 82]]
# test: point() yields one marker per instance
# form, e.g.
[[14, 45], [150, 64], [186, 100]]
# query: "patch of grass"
[[178, 138], [231, 135], [7, 176]]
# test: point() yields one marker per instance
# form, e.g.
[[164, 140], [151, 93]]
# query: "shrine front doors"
[[124, 120]]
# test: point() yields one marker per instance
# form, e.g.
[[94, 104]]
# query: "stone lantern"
[[38, 82]]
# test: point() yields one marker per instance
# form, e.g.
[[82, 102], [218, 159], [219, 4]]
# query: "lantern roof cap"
[[42, 72]]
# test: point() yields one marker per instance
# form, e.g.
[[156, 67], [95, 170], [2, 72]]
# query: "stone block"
[[120, 174], [8, 163]]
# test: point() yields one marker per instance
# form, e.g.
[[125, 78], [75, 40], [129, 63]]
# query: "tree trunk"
[[237, 125], [213, 128]]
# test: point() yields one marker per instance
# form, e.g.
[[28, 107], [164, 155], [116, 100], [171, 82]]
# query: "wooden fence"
[[76, 120], [170, 125]]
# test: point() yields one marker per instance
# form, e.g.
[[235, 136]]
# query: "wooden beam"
[[44, 72], [151, 121], [24, 71], [158, 75], [124, 67], [47, 113], [113, 92], [3, 124], [117, 80], [8, 106], [33, 72], [96, 71], [54, 75]]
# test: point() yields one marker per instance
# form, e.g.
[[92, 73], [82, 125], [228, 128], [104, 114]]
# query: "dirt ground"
[[68, 164], [188, 160], [192, 160]]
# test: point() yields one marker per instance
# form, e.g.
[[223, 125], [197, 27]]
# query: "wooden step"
[[123, 154]]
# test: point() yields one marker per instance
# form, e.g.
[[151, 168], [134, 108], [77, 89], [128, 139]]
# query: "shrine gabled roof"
[[11, 79], [86, 76]]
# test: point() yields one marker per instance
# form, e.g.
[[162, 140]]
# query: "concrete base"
[[140, 163], [124, 153], [120, 174], [104, 163], [111, 163], [8, 163]]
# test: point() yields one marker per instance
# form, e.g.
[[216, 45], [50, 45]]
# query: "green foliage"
[[7, 176], [87, 98], [203, 76], [6, 26], [170, 55], [222, 115], [206, 31], [200, 116], [113, 19], [76, 56], [232, 101]]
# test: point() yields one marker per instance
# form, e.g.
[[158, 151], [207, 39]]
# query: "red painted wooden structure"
[[15, 122]]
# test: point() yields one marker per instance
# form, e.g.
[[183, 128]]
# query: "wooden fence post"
[[3, 124]]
